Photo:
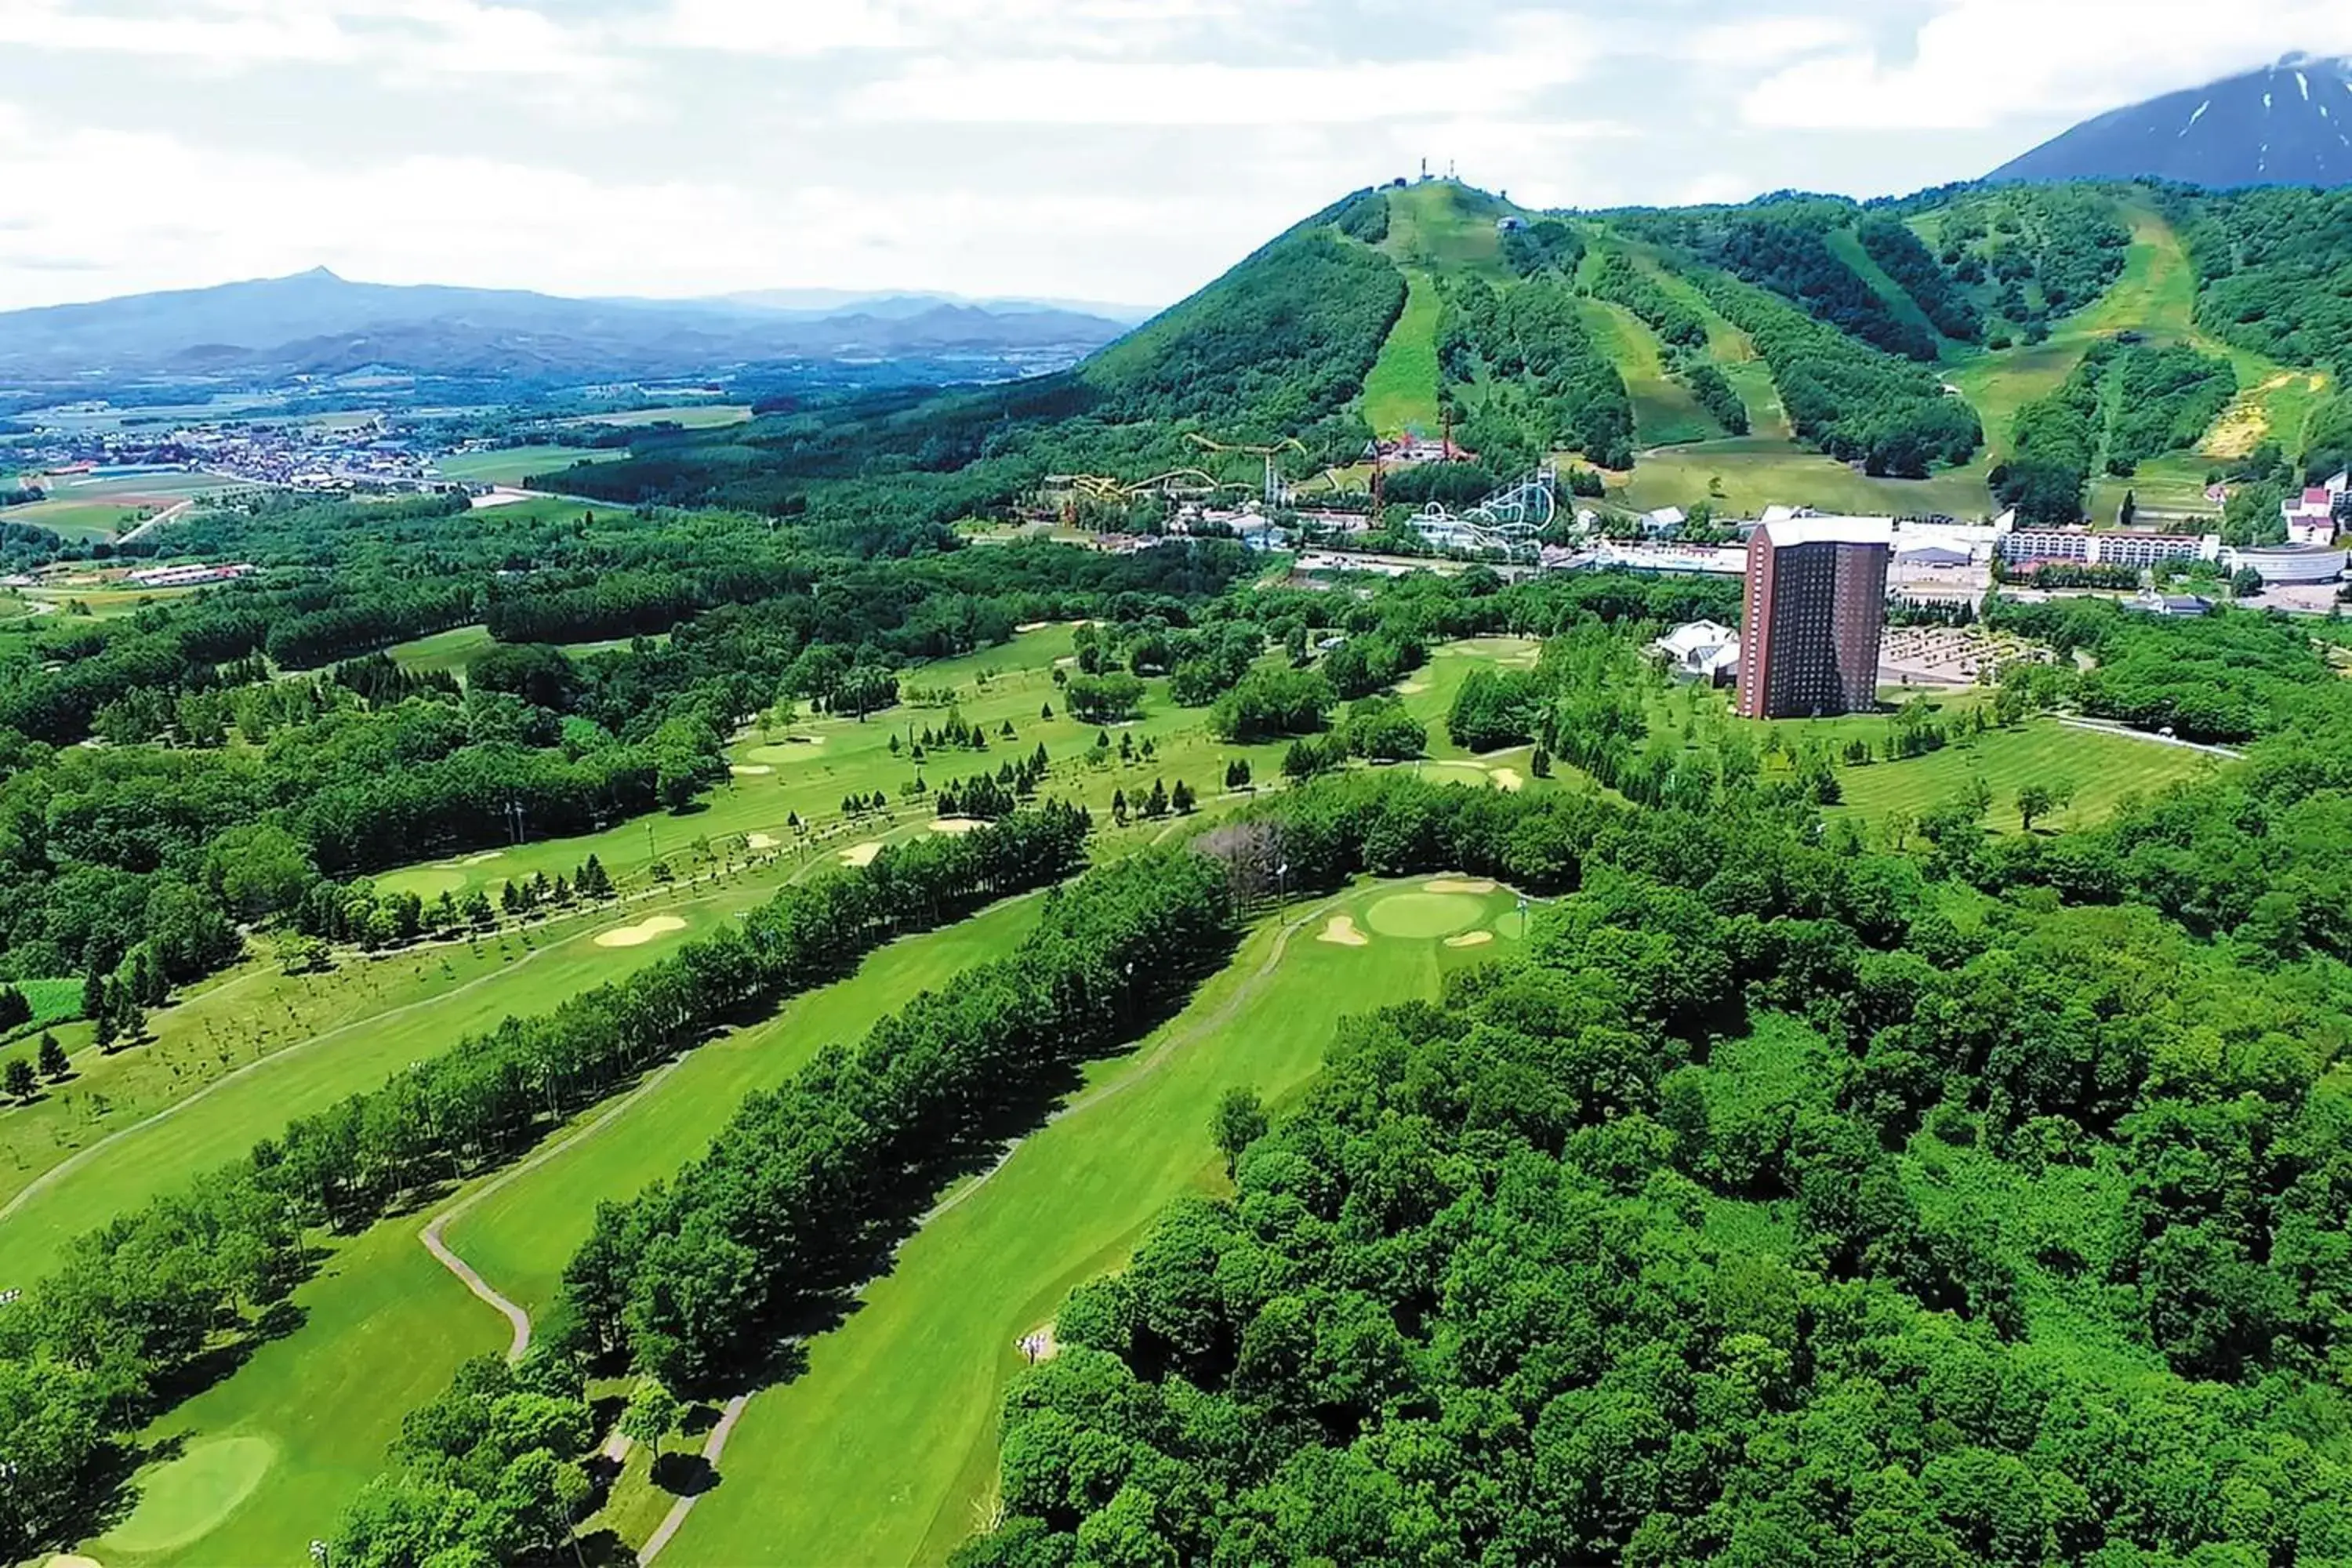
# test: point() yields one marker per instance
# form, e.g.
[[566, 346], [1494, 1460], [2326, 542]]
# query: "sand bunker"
[[1471, 939], [63, 1561], [751, 770], [861, 854], [1039, 1344], [1459, 885], [1413, 689], [1507, 777], [958, 825], [1342, 932], [758, 841], [1033, 625], [642, 933], [487, 856]]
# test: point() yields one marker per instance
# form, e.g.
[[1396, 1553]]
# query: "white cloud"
[[1979, 63], [791, 30], [1755, 43]]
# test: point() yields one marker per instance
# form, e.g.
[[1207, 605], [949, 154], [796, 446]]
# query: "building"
[[2312, 518], [1816, 609], [2284, 564], [1700, 650], [2175, 607], [2106, 547]]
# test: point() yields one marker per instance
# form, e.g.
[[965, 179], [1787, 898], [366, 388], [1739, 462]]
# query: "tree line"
[[139, 1308]]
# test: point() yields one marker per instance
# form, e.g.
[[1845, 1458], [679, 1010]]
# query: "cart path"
[[470, 1277]]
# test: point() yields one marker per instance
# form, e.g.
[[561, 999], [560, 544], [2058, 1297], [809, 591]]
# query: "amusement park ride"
[[1512, 520]]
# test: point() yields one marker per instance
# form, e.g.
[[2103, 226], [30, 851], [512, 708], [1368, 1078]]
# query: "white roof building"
[[1702, 650]]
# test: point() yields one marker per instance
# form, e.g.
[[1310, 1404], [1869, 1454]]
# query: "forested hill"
[[1903, 338]]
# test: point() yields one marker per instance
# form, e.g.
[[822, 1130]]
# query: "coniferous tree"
[[14, 1009], [18, 1080], [52, 1060]]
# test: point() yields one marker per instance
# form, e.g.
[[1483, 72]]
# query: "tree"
[[15, 1011], [1118, 806], [2034, 800], [1240, 1121], [18, 1080], [54, 1063], [653, 1414], [1180, 798], [108, 1026], [1237, 773], [1156, 804], [1539, 764]]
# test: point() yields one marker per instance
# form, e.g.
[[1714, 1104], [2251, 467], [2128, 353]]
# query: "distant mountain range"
[[2287, 124], [316, 323]]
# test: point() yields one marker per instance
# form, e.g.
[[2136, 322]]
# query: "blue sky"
[[1119, 150]]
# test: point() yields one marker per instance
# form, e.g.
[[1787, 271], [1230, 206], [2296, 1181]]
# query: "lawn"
[[304, 1423], [1400, 393], [885, 1450]]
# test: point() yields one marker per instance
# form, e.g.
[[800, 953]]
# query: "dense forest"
[[1546, 384], [1786, 1200]]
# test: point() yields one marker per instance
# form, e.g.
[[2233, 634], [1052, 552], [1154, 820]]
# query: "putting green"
[[185, 1499], [1453, 772], [782, 752], [1424, 915]]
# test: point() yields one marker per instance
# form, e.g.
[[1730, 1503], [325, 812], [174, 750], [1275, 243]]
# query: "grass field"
[[1743, 475], [2102, 769], [262, 1047], [885, 1451], [1448, 226], [1664, 412], [1846, 246], [513, 465], [1400, 393], [685, 416], [274, 1451]]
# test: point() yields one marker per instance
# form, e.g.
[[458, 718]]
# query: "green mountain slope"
[[1805, 349]]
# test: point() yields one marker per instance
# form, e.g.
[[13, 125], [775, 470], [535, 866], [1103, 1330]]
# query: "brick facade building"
[[1816, 609]]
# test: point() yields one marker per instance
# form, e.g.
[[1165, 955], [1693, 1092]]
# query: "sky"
[[1123, 150]]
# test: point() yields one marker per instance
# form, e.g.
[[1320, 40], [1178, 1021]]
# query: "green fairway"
[[444, 653], [264, 1048], [521, 1239], [885, 1450], [1400, 393], [303, 1425], [2102, 768]]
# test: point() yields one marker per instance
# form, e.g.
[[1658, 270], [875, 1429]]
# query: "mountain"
[[2287, 124], [317, 323], [1957, 352], [816, 304]]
